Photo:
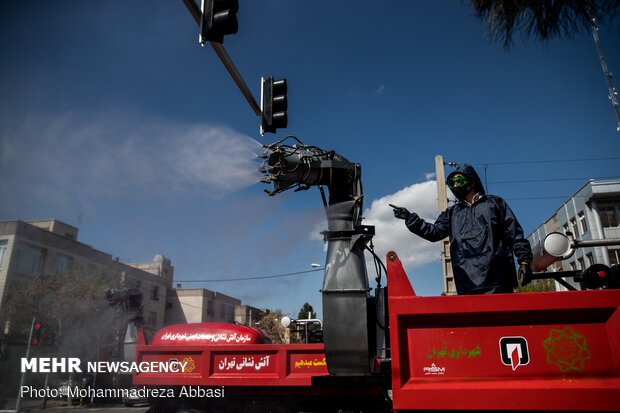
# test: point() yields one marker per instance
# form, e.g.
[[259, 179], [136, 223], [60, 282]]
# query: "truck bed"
[[529, 351]]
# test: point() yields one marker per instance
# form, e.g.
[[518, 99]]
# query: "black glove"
[[524, 274], [400, 212]]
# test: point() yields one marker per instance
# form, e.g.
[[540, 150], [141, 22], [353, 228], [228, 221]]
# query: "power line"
[[455, 164], [260, 277], [537, 197], [552, 180], [549, 161]]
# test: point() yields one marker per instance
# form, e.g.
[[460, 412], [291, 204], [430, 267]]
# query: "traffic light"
[[36, 333], [219, 17], [273, 105]]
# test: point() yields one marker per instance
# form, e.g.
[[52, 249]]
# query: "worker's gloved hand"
[[524, 274], [400, 212]]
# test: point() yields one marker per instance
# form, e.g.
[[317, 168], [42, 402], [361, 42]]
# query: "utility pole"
[[22, 381], [613, 95], [442, 203]]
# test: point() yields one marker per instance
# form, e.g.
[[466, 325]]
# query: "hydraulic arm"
[[346, 290]]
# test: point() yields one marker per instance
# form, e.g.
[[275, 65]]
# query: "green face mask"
[[458, 181]]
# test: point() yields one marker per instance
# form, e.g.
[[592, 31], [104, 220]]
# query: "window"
[[609, 219], [614, 256], [30, 259], [573, 226], [573, 266], [582, 264], [565, 227], [152, 321], [210, 309], [582, 222], [230, 314], [3, 248], [589, 259], [223, 311], [63, 263], [155, 292]]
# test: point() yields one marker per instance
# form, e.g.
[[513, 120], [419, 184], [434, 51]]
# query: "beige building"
[[29, 249], [248, 315], [199, 305]]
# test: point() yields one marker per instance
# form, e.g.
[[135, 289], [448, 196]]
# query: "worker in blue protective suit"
[[484, 233]]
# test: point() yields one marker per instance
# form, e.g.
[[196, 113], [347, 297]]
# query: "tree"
[[306, 310], [78, 320], [270, 324], [537, 286], [542, 19]]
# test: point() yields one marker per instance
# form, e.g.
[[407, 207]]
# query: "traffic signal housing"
[[36, 333], [219, 17], [273, 105]]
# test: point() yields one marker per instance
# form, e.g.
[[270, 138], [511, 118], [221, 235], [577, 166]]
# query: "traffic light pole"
[[22, 381], [196, 13]]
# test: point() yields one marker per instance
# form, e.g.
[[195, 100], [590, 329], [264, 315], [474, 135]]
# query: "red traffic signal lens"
[[602, 274], [36, 333]]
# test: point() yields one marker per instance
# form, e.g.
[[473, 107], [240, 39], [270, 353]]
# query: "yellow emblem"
[[190, 366]]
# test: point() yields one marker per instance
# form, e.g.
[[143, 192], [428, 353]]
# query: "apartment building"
[[593, 212], [199, 305], [29, 249]]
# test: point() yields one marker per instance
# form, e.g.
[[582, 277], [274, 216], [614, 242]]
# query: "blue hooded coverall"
[[483, 237]]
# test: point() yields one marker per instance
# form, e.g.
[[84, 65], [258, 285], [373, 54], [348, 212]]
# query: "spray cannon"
[[302, 166], [351, 343], [557, 247], [131, 297]]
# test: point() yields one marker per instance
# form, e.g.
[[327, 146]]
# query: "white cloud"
[[393, 235], [380, 90]]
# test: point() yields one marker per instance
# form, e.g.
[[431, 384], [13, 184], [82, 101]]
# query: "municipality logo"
[[514, 351]]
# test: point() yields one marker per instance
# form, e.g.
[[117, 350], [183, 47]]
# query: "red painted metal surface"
[[238, 365], [209, 334], [528, 351]]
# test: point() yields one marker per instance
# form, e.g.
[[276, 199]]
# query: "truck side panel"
[[540, 351], [239, 365]]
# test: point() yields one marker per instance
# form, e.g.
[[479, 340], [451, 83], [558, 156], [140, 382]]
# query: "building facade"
[[199, 305], [30, 249], [592, 213]]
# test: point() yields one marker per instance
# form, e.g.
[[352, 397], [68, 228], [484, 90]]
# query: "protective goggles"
[[457, 181]]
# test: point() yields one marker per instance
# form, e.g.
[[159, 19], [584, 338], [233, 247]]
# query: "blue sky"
[[115, 120]]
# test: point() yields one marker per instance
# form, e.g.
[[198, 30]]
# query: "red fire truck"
[[554, 351]]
